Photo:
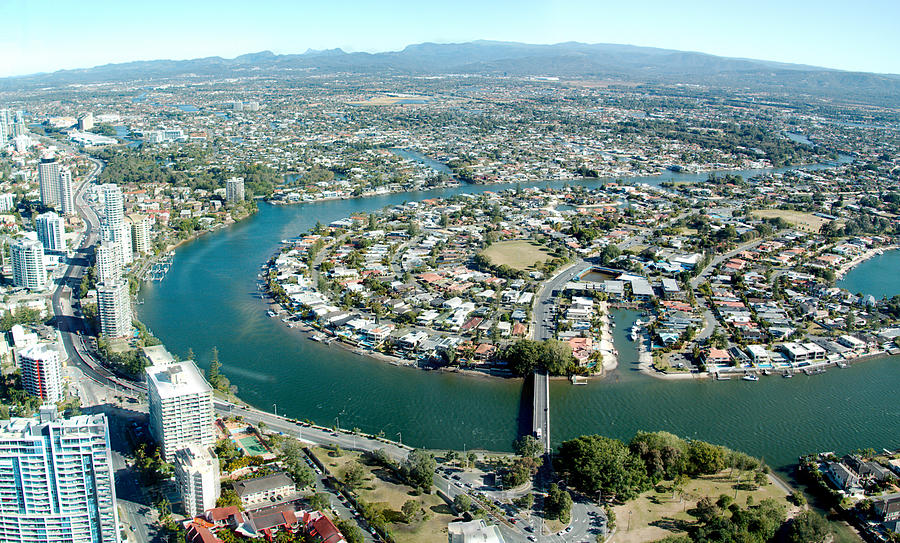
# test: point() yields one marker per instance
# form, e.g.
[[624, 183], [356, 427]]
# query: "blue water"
[[877, 276]]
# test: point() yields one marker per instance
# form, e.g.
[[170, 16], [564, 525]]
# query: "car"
[[532, 538], [568, 529], [512, 520]]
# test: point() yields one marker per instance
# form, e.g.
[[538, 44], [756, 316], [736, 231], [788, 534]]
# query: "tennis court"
[[252, 446]]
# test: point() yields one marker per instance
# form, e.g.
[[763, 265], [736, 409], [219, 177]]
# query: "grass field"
[[655, 515], [517, 254], [389, 494], [804, 221]]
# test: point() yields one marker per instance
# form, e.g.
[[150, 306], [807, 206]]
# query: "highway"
[[72, 327]]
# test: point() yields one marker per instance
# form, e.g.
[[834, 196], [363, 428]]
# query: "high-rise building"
[[113, 227], [140, 233], [66, 192], [234, 189], [114, 308], [48, 176], [85, 121], [181, 412], [51, 231], [4, 126], [113, 204], [7, 202], [56, 480], [27, 257], [42, 372], [197, 478], [108, 262]]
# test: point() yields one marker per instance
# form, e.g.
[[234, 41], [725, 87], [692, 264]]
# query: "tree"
[[664, 455], [228, 498], [352, 532], [528, 446], [355, 475], [410, 510], [807, 527], [558, 503], [419, 469], [705, 458], [599, 464], [462, 503], [294, 461], [319, 501]]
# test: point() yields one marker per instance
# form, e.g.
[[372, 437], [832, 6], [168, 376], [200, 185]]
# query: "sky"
[[48, 35]]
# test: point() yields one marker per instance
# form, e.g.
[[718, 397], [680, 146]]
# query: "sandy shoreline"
[[866, 255]]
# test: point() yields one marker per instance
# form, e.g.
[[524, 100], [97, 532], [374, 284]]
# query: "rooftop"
[[178, 379]]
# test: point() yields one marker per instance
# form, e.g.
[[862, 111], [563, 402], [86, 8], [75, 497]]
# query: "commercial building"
[[114, 308], [42, 372], [27, 257], [51, 230], [234, 189], [140, 233], [197, 477], [56, 480], [48, 177], [181, 412], [85, 121], [108, 262]]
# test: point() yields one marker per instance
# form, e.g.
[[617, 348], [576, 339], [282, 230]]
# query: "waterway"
[[876, 276], [209, 298]]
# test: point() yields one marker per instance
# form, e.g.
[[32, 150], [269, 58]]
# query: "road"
[[72, 327], [543, 324], [540, 415]]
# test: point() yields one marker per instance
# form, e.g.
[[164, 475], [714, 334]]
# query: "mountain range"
[[490, 58]]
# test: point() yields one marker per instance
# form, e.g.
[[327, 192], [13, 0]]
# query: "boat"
[[787, 375], [270, 313], [750, 377], [317, 337], [843, 365], [720, 377]]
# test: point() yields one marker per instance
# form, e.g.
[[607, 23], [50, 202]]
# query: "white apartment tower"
[[66, 192], [140, 233], [114, 307], [113, 227], [42, 372], [48, 176], [109, 262], [51, 230], [197, 477], [27, 257], [181, 412], [234, 189], [56, 480], [7, 201]]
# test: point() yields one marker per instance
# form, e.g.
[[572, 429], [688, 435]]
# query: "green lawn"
[[517, 254]]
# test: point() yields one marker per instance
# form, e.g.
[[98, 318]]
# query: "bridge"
[[540, 412]]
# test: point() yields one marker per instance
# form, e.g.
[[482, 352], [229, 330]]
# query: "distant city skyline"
[[54, 34]]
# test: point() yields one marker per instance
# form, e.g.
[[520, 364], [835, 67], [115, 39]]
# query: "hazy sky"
[[47, 35]]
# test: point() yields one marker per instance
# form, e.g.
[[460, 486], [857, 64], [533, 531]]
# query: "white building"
[[51, 231], [48, 176], [273, 488], [140, 233], [113, 227], [85, 121], [114, 307], [7, 201], [473, 531], [197, 477], [234, 189], [181, 411], [66, 193], [27, 257], [108, 262], [56, 480], [42, 372]]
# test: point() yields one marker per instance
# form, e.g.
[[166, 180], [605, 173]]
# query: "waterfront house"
[[275, 487]]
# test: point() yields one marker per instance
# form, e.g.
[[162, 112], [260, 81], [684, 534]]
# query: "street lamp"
[[275, 406], [400, 435]]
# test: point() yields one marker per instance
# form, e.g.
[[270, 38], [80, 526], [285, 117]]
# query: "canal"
[[209, 299]]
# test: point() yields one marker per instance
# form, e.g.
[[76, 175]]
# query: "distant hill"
[[566, 60]]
